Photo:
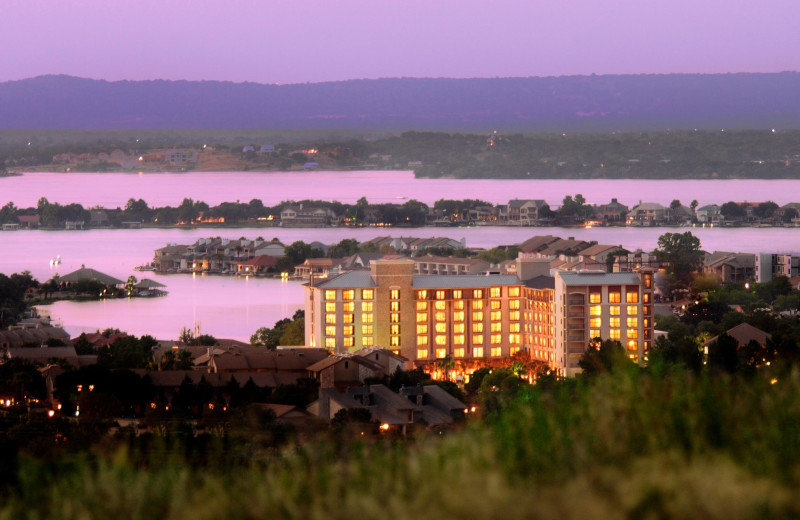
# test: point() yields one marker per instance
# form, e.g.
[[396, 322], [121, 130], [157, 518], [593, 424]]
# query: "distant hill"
[[574, 103]]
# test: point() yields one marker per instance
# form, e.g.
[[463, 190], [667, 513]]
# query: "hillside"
[[574, 103]]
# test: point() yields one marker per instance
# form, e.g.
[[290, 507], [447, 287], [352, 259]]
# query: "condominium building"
[[479, 319]]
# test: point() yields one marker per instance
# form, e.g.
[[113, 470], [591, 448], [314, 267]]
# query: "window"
[[441, 328], [494, 304], [513, 327], [457, 294], [513, 350], [422, 306], [477, 305], [440, 295], [458, 339], [632, 295], [367, 341], [347, 318], [366, 330], [395, 294], [330, 343], [349, 294], [632, 322], [595, 323], [633, 333], [347, 330], [366, 294], [394, 329], [330, 307], [594, 333], [477, 316], [349, 306], [394, 341], [513, 315], [330, 318], [394, 306], [367, 318], [458, 305], [494, 292], [348, 341], [458, 352], [614, 297], [514, 338], [422, 353], [496, 351], [477, 352], [422, 316], [495, 315], [495, 339], [595, 310], [330, 295], [633, 344], [477, 327], [513, 304], [646, 323], [458, 328], [496, 326], [422, 339], [422, 328], [440, 340], [613, 334], [613, 310], [330, 330], [513, 292], [646, 297], [458, 316], [595, 297], [440, 305], [441, 353], [440, 316], [422, 295], [366, 306], [632, 310], [477, 293], [648, 280], [613, 322]]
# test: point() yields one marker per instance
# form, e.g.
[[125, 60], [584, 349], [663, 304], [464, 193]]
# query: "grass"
[[662, 444]]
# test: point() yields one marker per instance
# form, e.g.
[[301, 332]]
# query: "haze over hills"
[[574, 103]]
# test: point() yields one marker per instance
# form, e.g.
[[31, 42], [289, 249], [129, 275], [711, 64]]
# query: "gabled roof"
[[541, 282], [744, 333], [598, 249]]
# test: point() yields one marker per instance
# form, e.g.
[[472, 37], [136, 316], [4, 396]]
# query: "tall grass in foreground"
[[624, 445]]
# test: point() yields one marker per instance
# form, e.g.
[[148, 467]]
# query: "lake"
[[235, 307]]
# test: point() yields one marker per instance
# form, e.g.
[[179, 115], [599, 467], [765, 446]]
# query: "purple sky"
[[290, 41]]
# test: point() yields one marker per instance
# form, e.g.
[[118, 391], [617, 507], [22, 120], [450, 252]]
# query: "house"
[[85, 273], [299, 216], [611, 212], [29, 221], [709, 214], [319, 267], [344, 370], [648, 214], [770, 265], [522, 212], [743, 333], [272, 248], [257, 265], [179, 156], [19, 336], [266, 149], [99, 218], [730, 267]]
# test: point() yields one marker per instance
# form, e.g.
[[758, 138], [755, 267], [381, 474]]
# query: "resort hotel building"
[[481, 320]]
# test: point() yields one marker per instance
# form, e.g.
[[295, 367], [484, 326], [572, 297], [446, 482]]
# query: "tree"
[[603, 356], [683, 256], [694, 205], [765, 209], [732, 211], [722, 354]]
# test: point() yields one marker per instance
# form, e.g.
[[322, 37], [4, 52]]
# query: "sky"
[[297, 41]]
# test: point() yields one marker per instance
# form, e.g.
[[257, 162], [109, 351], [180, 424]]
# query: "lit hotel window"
[[496, 351], [513, 304], [330, 343], [394, 329], [441, 340], [348, 294], [458, 352], [513, 315], [441, 353], [422, 306], [458, 328], [366, 306], [632, 297], [366, 294], [477, 316], [496, 326], [366, 330], [458, 316], [330, 330], [613, 322], [614, 297], [330, 318], [477, 352], [440, 295], [496, 339], [348, 341], [367, 341], [477, 339], [347, 330], [633, 333], [494, 304], [395, 294], [595, 310], [440, 305], [494, 292], [422, 316], [457, 294], [394, 306], [422, 353], [632, 322], [441, 328], [477, 293], [613, 334], [330, 307], [613, 310], [495, 315], [330, 295], [595, 297], [348, 306], [422, 295], [477, 327], [347, 318], [366, 318], [458, 339], [513, 327], [477, 305], [422, 340], [595, 323], [513, 292], [633, 344], [422, 328], [458, 305], [394, 341], [632, 310]]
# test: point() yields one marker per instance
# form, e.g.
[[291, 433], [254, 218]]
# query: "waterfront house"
[[86, 273], [29, 221], [261, 264], [272, 248], [709, 214], [523, 212], [770, 265], [648, 214], [611, 212], [319, 267]]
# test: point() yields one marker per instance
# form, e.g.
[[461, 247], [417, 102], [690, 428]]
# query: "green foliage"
[[127, 352], [683, 256], [287, 332], [604, 356]]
